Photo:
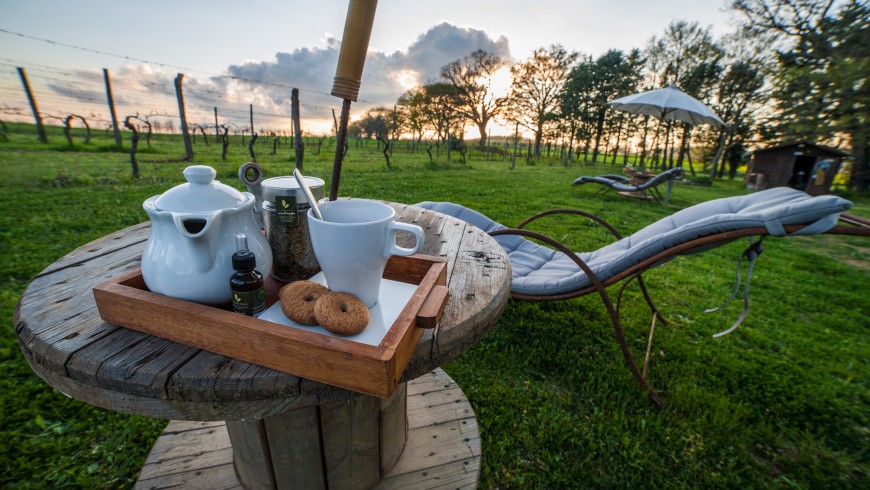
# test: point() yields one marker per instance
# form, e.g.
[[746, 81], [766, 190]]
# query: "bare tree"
[[134, 143], [67, 128], [537, 84], [473, 77]]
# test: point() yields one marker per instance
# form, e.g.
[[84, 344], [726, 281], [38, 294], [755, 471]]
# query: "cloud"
[[267, 85], [386, 75]]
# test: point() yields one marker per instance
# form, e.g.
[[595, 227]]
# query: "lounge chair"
[[541, 273], [623, 185]]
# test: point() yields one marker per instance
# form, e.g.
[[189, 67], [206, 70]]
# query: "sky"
[[64, 46]]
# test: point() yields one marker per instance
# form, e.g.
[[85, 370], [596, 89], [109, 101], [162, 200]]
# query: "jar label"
[[249, 303], [285, 210]]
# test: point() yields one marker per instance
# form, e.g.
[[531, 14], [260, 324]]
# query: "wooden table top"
[[68, 345]]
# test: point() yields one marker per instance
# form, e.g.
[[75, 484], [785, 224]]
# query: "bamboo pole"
[[348, 73]]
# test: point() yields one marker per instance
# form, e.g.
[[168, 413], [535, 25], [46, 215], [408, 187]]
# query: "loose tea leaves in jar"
[[285, 216]]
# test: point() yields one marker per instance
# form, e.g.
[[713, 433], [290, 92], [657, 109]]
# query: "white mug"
[[353, 242]]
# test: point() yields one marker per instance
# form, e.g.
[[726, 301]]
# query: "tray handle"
[[433, 307]]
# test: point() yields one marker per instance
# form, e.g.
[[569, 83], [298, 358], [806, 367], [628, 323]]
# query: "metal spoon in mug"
[[308, 195]]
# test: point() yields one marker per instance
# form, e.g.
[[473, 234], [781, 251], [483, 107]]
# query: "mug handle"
[[393, 249]]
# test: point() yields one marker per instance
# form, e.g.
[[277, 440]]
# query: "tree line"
[[791, 70]]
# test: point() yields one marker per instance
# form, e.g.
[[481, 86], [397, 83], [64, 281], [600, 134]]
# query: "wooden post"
[[118, 140], [217, 128], [516, 142], [185, 132], [298, 144], [448, 138], [393, 138], [40, 129]]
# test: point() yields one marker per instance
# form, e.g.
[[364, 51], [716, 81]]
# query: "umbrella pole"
[[348, 73], [340, 143]]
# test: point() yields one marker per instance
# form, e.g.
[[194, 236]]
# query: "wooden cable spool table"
[[280, 430]]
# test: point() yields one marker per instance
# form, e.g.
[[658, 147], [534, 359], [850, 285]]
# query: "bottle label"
[[285, 210], [249, 303]]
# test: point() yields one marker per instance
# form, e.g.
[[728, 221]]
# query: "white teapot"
[[193, 229]]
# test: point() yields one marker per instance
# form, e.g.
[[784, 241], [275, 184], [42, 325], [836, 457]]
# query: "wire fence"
[[238, 104]]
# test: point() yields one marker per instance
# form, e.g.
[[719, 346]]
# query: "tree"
[[438, 108], [822, 82], [473, 78], [375, 123], [686, 56], [740, 95], [614, 74], [576, 103], [537, 86], [411, 105]]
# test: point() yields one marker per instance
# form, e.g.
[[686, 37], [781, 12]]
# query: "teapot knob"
[[199, 174]]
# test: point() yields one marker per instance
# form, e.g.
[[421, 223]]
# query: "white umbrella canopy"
[[668, 104]]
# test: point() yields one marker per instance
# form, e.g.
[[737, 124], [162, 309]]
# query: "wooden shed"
[[805, 166]]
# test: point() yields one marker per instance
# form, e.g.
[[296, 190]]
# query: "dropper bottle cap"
[[243, 260]]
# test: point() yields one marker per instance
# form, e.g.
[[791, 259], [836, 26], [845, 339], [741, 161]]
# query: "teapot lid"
[[201, 193]]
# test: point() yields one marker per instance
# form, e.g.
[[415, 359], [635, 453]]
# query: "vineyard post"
[[185, 132], [298, 144], [448, 137], [393, 138], [118, 140], [40, 129], [217, 128], [514, 158]]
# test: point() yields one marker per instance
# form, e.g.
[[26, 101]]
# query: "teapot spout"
[[200, 245]]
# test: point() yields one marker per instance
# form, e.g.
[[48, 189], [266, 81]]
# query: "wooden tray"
[[373, 370]]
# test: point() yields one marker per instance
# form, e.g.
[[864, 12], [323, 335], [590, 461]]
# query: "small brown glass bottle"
[[249, 297]]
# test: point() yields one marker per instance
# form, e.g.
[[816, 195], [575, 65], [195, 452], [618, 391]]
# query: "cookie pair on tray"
[[310, 303]]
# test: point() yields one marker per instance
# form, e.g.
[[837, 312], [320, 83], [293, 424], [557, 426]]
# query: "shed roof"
[[803, 144]]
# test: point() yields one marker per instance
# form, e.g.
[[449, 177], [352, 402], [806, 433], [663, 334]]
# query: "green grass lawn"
[[782, 402]]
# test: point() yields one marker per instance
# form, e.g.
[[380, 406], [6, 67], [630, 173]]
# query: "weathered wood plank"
[[457, 475], [393, 425], [213, 377], [129, 362], [251, 454], [133, 237], [349, 430], [443, 239], [219, 477], [294, 444], [437, 445], [481, 282], [173, 452], [434, 380]]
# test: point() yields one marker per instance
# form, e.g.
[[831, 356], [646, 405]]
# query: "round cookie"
[[341, 313], [297, 301]]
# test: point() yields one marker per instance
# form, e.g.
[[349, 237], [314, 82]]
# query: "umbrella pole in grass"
[[348, 73]]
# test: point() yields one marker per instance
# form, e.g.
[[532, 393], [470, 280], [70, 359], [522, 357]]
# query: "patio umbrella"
[[348, 73], [668, 104]]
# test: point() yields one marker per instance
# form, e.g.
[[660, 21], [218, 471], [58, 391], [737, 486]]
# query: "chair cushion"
[[540, 270]]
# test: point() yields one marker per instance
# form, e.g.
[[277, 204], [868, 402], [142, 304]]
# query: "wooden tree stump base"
[[442, 448]]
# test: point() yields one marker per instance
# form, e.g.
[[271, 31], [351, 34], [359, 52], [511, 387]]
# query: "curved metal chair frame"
[[857, 226], [621, 184]]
